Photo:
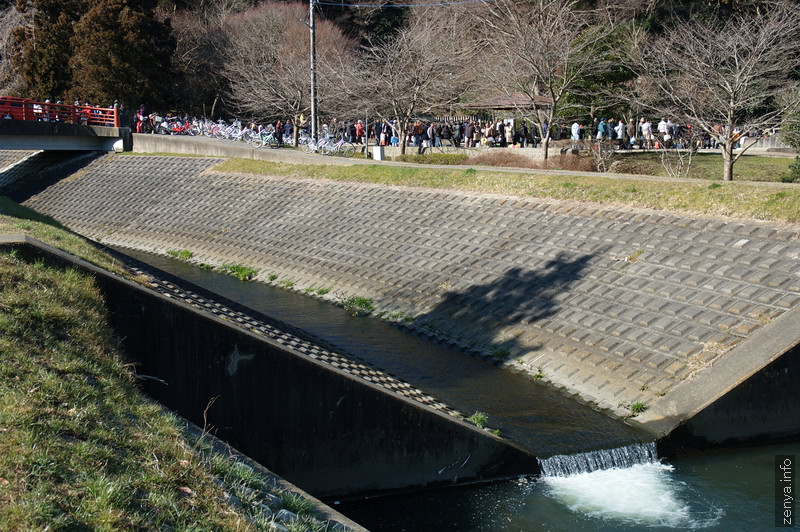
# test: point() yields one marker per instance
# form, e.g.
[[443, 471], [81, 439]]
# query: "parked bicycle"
[[264, 137], [309, 145], [340, 147]]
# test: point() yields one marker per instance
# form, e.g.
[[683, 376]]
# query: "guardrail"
[[25, 109]]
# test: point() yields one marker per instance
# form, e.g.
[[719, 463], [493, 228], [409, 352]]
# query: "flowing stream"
[[531, 414], [600, 475]]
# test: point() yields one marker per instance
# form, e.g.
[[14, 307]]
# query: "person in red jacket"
[[359, 132]]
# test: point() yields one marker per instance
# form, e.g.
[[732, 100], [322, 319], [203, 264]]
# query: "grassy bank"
[[81, 448], [16, 219], [708, 166], [774, 201]]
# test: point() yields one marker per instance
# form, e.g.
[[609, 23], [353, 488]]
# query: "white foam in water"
[[638, 494], [642, 494]]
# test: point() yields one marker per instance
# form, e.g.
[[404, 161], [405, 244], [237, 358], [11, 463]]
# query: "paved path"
[[613, 305]]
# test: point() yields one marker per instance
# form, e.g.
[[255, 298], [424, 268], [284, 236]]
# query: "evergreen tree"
[[43, 45], [120, 52]]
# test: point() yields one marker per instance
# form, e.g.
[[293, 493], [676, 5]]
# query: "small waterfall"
[[565, 465]]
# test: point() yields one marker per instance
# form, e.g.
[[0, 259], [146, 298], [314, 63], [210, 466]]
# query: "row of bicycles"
[[260, 136], [257, 136], [328, 146]]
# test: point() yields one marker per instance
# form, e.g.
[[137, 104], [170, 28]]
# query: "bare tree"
[[677, 154], [197, 60], [544, 48], [728, 78], [417, 70], [266, 61]]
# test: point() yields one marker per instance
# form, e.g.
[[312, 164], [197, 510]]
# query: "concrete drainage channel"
[[331, 424]]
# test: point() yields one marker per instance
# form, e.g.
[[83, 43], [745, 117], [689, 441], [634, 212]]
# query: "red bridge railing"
[[25, 109]]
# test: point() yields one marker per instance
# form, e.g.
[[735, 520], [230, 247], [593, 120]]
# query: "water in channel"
[[633, 490]]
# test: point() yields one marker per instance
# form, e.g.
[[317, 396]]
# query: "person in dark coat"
[[279, 132], [469, 132], [447, 133]]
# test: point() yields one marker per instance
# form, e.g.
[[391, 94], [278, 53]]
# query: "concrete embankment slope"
[[614, 305]]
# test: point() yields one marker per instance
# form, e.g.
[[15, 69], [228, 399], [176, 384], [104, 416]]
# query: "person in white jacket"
[[576, 131]]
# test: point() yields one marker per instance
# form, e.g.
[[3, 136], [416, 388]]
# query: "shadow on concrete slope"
[[41, 170], [519, 297]]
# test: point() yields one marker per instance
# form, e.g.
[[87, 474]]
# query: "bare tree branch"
[[730, 79], [418, 70], [545, 47], [266, 61]]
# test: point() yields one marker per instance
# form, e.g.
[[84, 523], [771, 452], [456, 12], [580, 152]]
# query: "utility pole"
[[313, 71]]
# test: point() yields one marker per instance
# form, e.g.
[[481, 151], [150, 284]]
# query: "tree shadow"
[[519, 297]]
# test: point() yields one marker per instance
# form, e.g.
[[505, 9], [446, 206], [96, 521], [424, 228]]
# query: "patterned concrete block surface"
[[616, 305]]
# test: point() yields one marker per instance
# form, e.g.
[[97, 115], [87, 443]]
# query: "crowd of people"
[[58, 111], [426, 134], [471, 132]]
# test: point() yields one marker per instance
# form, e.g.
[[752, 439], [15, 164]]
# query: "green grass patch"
[[322, 291], [400, 316], [181, 254], [479, 419], [500, 353], [637, 407], [80, 447], [297, 504], [17, 219], [708, 166], [745, 200], [358, 306], [433, 158], [793, 176], [240, 271]]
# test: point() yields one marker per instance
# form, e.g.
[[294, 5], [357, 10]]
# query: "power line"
[[333, 3]]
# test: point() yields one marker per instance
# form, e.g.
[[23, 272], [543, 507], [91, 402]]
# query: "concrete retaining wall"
[[764, 406], [204, 146], [330, 433], [28, 135], [613, 305]]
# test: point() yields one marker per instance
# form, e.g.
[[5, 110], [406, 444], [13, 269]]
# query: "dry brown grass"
[[557, 161], [502, 158], [567, 161]]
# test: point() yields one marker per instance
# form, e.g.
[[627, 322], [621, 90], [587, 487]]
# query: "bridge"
[[31, 125]]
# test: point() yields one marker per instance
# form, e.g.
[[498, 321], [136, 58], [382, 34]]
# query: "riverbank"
[[621, 306], [737, 199], [81, 446]]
